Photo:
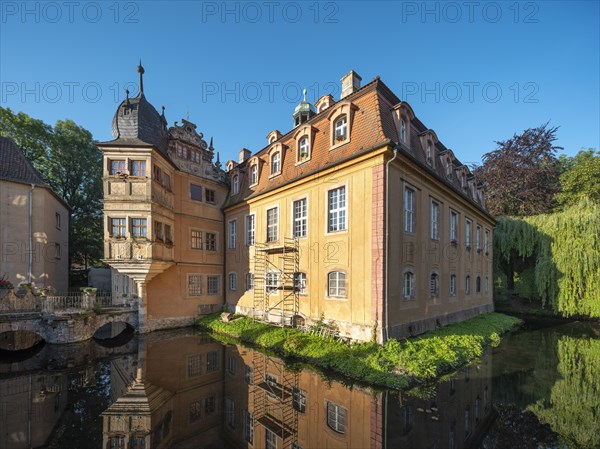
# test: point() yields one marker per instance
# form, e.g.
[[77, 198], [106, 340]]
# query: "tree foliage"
[[558, 255], [521, 174], [72, 166], [580, 177]]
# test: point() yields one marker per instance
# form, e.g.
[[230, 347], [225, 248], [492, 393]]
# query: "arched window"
[[403, 130], [275, 163], [468, 285], [478, 284], [341, 129], [300, 283], [452, 285], [408, 285], [336, 417], [434, 285], [303, 149], [336, 284], [249, 281], [253, 174], [236, 184], [486, 284]]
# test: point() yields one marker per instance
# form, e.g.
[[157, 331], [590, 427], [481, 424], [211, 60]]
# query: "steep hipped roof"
[[14, 166]]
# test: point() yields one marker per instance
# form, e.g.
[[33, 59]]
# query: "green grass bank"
[[397, 364]]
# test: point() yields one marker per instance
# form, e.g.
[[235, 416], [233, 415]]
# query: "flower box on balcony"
[[454, 242]]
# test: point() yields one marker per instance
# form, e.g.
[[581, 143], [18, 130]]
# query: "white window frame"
[[403, 130], [408, 285], [468, 232], [337, 285], [232, 281], [300, 222], [478, 238], [254, 174], [232, 234], [340, 126], [338, 413], [300, 282], [342, 225], [453, 226], [271, 282], [303, 145], [453, 284], [272, 226], [435, 220], [249, 281], [236, 184], [409, 212], [275, 163], [250, 229]]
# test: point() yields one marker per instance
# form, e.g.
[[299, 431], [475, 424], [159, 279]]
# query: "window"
[[195, 192], [166, 181], [194, 411], [210, 405], [336, 417], [449, 167], [300, 283], [211, 241], [435, 216], [272, 224], [194, 365], [158, 231], [254, 174], [139, 227], [270, 439], [403, 130], [275, 163], [212, 286], [303, 150], [467, 422], [232, 280], [434, 285], [196, 238], [230, 412], [209, 196], [478, 284], [486, 284], [168, 234], [212, 361], [336, 206], [231, 365], [249, 281], [57, 220], [300, 217], [232, 240], [249, 375], [428, 153], [452, 285], [137, 442], [117, 442], [117, 167], [236, 184], [196, 156], [117, 227], [406, 419], [468, 233], [409, 210], [486, 242], [57, 251], [478, 239], [194, 285], [341, 129], [336, 284], [452, 437], [408, 285], [299, 399], [116, 282], [468, 285], [157, 174], [477, 408], [250, 229], [453, 226], [138, 168], [248, 426], [271, 283]]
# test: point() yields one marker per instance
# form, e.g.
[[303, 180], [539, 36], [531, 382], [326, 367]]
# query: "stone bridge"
[[28, 320]]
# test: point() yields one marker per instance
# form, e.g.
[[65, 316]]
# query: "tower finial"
[[304, 92], [141, 71]]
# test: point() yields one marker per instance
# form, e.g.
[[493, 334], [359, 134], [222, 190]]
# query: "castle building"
[[358, 216]]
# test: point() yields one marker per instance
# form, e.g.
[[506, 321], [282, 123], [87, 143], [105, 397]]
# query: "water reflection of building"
[[193, 392]]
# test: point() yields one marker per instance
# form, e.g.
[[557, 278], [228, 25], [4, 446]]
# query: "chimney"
[[350, 83], [244, 155]]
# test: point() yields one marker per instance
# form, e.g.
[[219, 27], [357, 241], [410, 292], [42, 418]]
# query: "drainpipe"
[[30, 233], [387, 239]]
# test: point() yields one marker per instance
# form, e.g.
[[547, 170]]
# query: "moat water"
[[182, 389]]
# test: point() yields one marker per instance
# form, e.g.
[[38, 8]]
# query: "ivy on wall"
[[555, 257]]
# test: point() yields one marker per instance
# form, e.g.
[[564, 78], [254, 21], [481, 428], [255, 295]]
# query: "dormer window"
[[275, 163], [341, 129], [126, 111], [254, 174], [303, 149], [236, 184], [448, 167], [429, 158], [403, 130]]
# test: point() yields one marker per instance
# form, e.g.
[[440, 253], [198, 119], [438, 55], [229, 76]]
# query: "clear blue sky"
[[475, 73]]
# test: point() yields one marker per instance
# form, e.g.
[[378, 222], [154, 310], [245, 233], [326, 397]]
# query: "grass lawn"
[[397, 364]]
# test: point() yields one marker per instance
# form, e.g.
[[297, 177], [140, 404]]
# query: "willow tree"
[[557, 255]]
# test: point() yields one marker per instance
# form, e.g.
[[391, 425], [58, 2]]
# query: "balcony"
[[137, 249]]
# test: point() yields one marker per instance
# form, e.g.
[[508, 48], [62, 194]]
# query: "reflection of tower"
[[142, 416], [275, 392], [276, 286]]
